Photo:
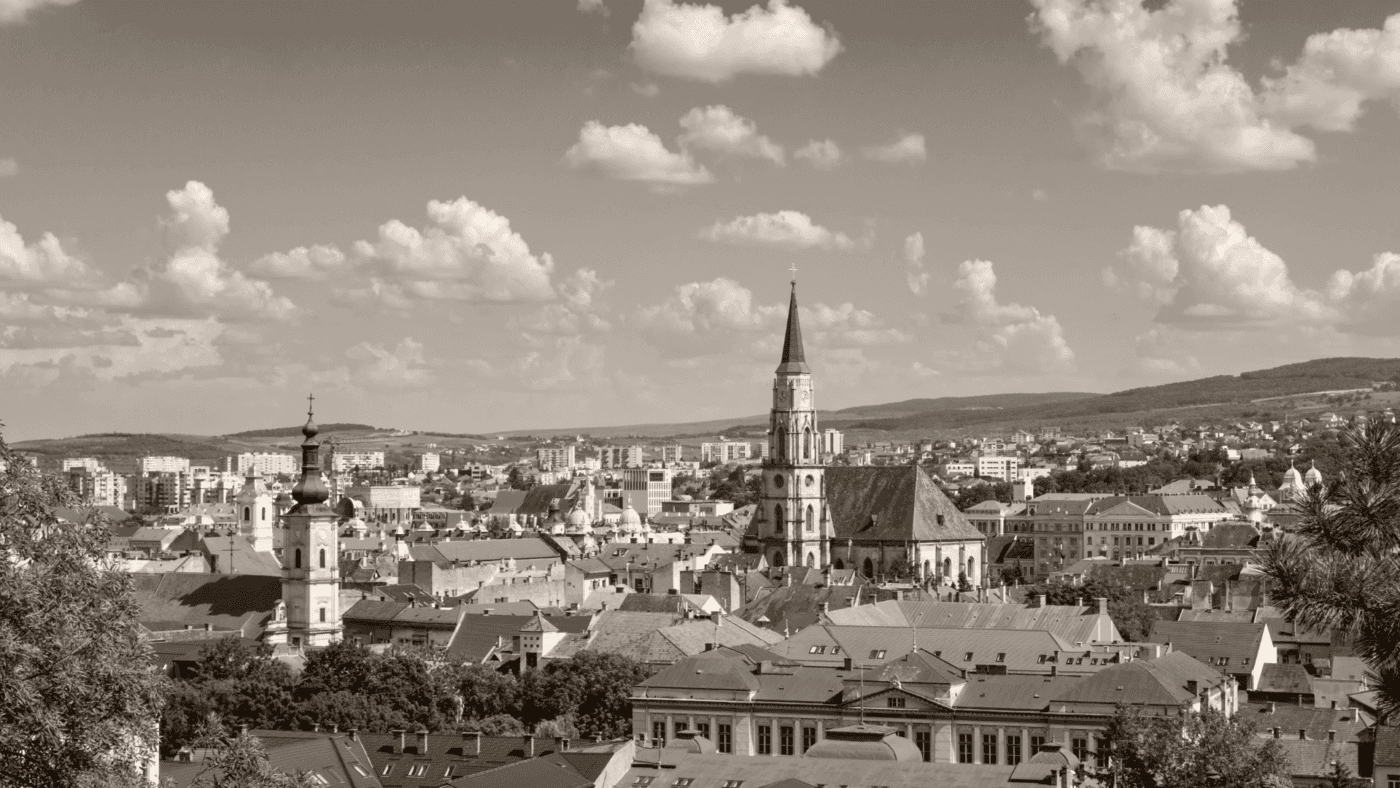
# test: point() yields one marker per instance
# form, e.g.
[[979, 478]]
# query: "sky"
[[482, 216]]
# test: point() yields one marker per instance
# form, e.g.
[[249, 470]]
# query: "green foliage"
[[80, 694], [734, 484], [595, 688], [977, 493], [295, 431], [237, 761], [1133, 617], [1340, 571], [963, 584], [1204, 750], [496, 725]]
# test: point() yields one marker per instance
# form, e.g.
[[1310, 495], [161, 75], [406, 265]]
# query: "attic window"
[[360, 770], [968, 658], [1001, 656], [683, 782], [732, 784], [877, 653], [644, 780], [938, 654], [418, 770], [834, 650], [817, 650], [388, 769]]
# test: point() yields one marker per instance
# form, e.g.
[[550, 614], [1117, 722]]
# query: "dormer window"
[[877, 653]]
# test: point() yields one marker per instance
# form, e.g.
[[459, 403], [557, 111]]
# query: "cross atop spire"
[[310, 402], [793, 269], [794, 360]]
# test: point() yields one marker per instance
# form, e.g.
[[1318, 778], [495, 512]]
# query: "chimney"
[[471, 743], [354, 734], [1273, 707], [529, 744], [1054, 670], [316, 728], [1331, 736], [846, 663], [715, 616], [243, 728], [561, 743], [1278, 732], [1356, 715], [1302, 734], [208, 627], [1103, 605], [826, 608], [398, 740], [1079, 601], [422, 742], [1040, 600]]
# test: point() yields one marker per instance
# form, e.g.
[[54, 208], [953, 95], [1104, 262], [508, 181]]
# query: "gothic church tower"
[[792, 521]]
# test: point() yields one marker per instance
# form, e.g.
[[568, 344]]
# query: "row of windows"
[[296, 559], [1128, 540], [1123, 526]]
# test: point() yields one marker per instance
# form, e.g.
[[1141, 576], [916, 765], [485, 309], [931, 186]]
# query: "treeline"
[[347, 686]]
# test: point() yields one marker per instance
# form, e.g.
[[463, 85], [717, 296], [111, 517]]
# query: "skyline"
[[479, 218]]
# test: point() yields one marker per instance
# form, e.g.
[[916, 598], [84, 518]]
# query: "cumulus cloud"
[[8, 168], [914, 272], [646, 89], [791, 230], [1014, 338], [699, 42], [1369, 300], [904, 149], [593, 7], [717, 128], [633, 153], [1336, 74], [466, 253], [43, 263], [823, 155], [14, 11], [1209, 269], [1167, 98], [400, 367], [317, 262]]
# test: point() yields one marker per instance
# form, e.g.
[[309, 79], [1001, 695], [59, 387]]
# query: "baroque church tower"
[[254, 506], [793, 523], [309, 616]]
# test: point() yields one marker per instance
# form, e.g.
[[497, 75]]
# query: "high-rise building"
[[556, 458], [97, 488], [724, 451], [833, 443], [429, 462], [88, 463], [163, 465], [167, 492], [672, 454], [1004, 468], [792, 521], [267, 464], [363, 460]]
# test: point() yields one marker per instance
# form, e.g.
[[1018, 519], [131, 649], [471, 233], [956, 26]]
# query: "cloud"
[[317, 263], [593, 7], [1160, 351], [1040, 195], [1210, 270], [790, 230], [43, 264], [698, 42], [646, 90], [14, 11], [914, 272], [391, 369], [1369, 300], [9, 168], [904, 149], [467, 253], [823, 155], [1167, 98], [1337, 73], [717, 128], [1015, 338], [633, 153]]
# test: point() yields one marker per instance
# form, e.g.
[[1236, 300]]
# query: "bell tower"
[[792, 522], [255, 511], [310, 557]]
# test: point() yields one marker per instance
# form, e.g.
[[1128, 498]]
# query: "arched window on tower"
[[323, 558], [780, 445], [811, 519], [247, 513], [807, 444], [262, 513], [778, 525], [296, 559]]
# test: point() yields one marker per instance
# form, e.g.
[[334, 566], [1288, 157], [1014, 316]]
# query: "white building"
[[996, 467], [833, 443], [656, 482], [957, 468], [672, 454], [98, 488], [724, 451], [91, 464], [388, 503], [429, 462], [561, 458], [350, 460], [622, 456], [164, 465], [266, 464]]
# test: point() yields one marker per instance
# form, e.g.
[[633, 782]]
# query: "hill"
[[294, 432]]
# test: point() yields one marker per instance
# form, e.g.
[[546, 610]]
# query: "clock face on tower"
[[782, 396], [802, 397]]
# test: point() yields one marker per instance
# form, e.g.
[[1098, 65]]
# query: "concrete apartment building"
[[163, 465], [997, 467], [267, 464], [654, 482], [725, 451], [388, 503], [556, 458], [429, 462], [349, 460], [98, 487]]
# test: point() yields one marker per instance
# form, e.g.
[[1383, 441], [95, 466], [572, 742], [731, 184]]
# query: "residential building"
[[90, 464], [724, 451], [99, 487], [672, 453], [1132, 527], [429, 462], [267, 464], [350, 460], [1235, 648], [388, 503], [556, 458], [371, 622], [166, 492], [954, 468], [995, 467], [833, 443], [622, 456], [148, 465]]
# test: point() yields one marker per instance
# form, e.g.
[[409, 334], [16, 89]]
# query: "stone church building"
[[862, 518]]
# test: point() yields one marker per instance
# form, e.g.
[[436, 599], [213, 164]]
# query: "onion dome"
[[577, 518], [631, 522], [1313, 476], [310, 489]]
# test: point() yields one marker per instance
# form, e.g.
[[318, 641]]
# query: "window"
[[989, 748], [924, 742], [968, 658], [388, 769], [726, 738], [877, 653], [809, 737], [643, 781], [1080, 748], [658, 733], [1013, 750], [296, 559], [682, 782], [817, 650], [1101, 753], [323, 558], [765, 740], [964, 748], [1001, 656], [1393, 781], [323, 615], [418, 770], [732, 784], [1036, 743], [447, 773], [360, 770], [786, 740], [895, 703]]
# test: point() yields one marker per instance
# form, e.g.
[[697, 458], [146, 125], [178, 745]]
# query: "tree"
[[1341, 777], [497, 725], [1133, 617], [1340, 571], [963, 585], [1195, 750], [238, 761], [81, 693], [596, 688]]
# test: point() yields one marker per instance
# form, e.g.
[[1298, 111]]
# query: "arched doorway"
[[869, 568], [811, 560], [838, 564], [777, 560]]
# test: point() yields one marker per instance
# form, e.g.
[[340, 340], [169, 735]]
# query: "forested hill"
[[291, 432], [1328, 374]]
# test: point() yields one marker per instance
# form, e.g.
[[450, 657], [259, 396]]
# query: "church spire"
[[310, 489], [794, 360]]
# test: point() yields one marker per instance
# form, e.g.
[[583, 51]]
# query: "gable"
[[893, 503], [879, 699]]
